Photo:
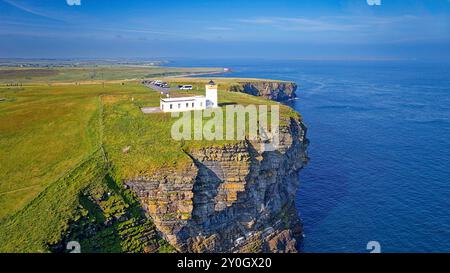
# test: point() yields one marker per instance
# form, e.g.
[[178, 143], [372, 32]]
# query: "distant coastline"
[[225, 71]]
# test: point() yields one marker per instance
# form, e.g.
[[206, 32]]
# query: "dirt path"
[[21, 189]]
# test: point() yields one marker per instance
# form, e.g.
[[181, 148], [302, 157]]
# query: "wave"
[[435, 121]]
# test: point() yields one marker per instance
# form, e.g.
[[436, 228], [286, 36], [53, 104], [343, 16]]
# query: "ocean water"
[[380, 151]]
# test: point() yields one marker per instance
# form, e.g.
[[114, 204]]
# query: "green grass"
[[42, 222], [72, 207], [46, 131], [13, 75], [54, 177]]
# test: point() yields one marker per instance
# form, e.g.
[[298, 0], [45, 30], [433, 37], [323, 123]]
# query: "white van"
[[186, 87]]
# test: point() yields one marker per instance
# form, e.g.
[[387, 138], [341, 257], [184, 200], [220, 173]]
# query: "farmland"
[[95, 74]]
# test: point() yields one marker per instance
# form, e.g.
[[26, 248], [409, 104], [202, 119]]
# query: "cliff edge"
[[232, 198], [272, 90]]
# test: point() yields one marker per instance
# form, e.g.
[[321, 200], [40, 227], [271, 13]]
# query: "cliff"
[[273, 90], [232, 198]]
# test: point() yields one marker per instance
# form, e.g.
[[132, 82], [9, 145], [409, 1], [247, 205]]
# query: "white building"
[[181, 104]]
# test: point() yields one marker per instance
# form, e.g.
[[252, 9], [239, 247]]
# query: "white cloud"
[[259, 21], [30, 9], [300, 24], [332, 23], [73, 2]]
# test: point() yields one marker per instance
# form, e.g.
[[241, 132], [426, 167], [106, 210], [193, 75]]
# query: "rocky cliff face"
[[233, 198], [273, 90]]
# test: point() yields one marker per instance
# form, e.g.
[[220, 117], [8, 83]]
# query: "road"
[[160, 90]]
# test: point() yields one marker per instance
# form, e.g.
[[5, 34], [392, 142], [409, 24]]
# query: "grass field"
[[50, 143], [13, 75], [45, 131]]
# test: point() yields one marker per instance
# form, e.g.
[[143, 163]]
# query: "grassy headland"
[[62, 158]]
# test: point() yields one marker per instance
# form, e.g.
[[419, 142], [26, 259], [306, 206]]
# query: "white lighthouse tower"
[[211, 95]]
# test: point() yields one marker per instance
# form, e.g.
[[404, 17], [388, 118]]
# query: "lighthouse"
[[180, 104], [211, 95]]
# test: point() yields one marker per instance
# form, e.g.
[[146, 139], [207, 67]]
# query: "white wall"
[[179, 106]]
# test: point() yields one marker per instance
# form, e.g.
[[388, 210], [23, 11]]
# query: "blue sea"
[[380, 151]]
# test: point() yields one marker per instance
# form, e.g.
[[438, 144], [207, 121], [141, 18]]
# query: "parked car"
[[186, 87]]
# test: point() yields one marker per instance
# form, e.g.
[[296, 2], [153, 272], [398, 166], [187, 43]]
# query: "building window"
[[162, 107], [192, 105], [187, 105], [179, 105], [171, 106]]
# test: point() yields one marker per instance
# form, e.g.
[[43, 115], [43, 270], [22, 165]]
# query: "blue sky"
[[309, 29]]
